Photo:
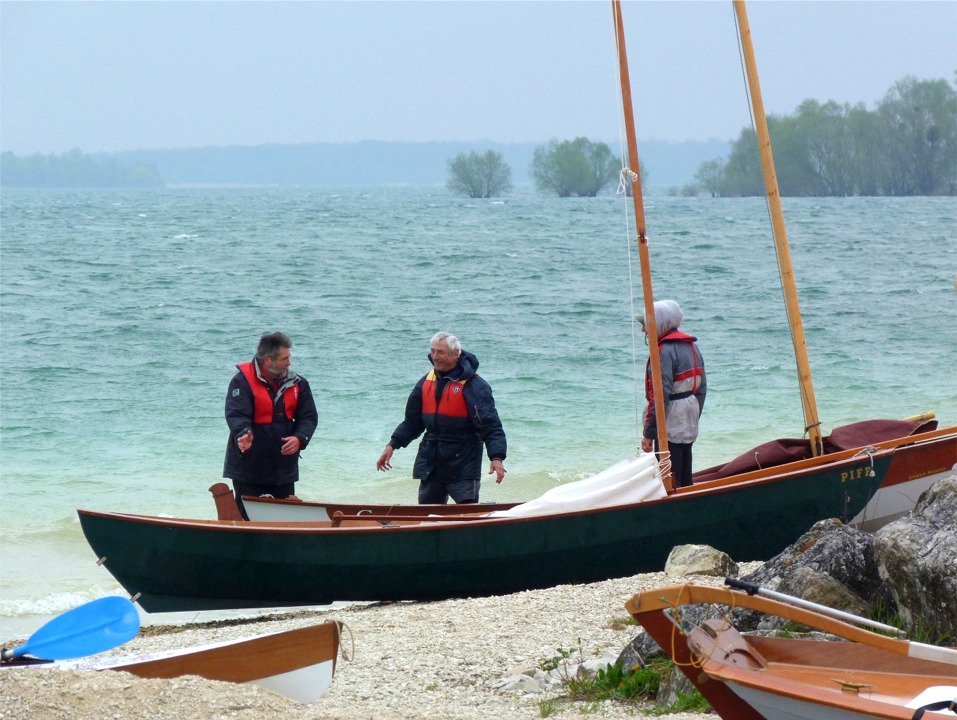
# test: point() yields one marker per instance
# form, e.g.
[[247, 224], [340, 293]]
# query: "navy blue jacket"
[[453, 448]]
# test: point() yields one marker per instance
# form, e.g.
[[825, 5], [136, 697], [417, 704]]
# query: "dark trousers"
[[277, 491], [680, 463], [443, 482]]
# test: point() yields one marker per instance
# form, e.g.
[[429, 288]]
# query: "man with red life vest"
[[271, 416], [683, 383], [454, 407]]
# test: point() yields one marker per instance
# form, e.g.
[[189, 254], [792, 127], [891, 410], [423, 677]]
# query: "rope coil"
[[632, 177]]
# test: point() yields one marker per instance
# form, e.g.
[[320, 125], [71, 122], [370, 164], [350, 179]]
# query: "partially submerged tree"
[[710, 177], [479, 176], [574, 167]]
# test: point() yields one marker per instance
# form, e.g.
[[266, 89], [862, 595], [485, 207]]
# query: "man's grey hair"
[[271, 344], [449, 339]]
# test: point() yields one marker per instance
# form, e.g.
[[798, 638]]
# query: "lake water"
[[125, 313]]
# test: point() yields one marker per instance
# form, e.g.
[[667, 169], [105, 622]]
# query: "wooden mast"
[[812, 425], [649, 297]]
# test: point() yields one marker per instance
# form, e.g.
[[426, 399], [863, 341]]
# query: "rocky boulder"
[[700, 560], [916, 559], [830, 548]]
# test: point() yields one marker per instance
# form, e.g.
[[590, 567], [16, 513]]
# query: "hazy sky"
[[105, 76]]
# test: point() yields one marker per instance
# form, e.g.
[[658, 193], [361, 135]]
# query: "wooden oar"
[[755, 589], [85, 630]]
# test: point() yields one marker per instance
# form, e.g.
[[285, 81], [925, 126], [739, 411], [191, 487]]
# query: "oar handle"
[[755, 589], [749, 588], [8, 658]]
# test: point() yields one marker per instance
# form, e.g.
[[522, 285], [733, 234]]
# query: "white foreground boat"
[[298, 664]]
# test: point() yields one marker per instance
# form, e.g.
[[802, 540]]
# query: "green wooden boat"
[[171, 564]]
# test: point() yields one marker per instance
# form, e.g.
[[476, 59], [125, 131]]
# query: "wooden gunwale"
[[413, 513], [247, 660], [356, 509]]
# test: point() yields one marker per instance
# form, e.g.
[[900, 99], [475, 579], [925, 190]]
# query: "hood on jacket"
[[466, 367], [668, 317]]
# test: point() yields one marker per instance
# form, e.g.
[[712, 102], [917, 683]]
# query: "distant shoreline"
[[363, 164]]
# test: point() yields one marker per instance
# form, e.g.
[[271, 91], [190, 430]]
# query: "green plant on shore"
[[547, 707], [694, 703], [616, 682], [560, 661], [918, 632], [634, 686]]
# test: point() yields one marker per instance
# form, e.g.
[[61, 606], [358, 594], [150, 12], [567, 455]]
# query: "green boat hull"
[[181, 565]]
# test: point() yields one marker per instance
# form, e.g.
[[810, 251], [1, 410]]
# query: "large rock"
[[699, 560], [829, 548], [917, 560]]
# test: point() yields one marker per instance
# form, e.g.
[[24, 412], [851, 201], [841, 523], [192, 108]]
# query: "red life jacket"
[[263, 404], [693, 372], [450, 405]]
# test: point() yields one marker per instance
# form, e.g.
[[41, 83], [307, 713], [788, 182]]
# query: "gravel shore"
[[436, 660]]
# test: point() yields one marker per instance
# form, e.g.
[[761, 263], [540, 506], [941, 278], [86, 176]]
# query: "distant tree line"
[[906, 146], [74, 169]]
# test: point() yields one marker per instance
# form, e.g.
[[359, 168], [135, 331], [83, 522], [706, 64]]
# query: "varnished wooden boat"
[[298, 664], [869, 677], [174, 564]]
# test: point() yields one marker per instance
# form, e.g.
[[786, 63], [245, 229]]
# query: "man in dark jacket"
[[454, 407], [271, 416]]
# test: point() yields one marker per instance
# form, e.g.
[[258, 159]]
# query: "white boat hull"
[[892, 502]]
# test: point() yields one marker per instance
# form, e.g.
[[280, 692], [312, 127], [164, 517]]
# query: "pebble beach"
[[443, 660]]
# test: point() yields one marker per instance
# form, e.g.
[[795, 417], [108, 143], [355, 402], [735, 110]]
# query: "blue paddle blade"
[[85, 630]]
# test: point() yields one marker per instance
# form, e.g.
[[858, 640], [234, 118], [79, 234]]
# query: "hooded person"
[[455, 409], [684, 385]]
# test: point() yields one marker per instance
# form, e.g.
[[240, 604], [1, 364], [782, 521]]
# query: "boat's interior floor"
[[846, 669]]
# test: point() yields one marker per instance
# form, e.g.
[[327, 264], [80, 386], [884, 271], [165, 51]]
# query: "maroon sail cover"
[[785, 450]]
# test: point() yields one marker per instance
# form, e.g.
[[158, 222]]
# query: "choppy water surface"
[[124, 314]]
